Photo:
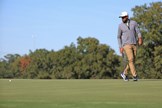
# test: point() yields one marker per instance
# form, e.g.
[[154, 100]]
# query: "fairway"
[[20, 93]]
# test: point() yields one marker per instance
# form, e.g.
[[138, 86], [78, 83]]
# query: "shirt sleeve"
[[119, 37], [137, 30]]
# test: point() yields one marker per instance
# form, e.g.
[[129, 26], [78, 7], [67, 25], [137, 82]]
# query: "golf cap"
[[123, 14]]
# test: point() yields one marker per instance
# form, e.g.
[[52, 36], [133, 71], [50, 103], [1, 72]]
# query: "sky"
[[52, 24]]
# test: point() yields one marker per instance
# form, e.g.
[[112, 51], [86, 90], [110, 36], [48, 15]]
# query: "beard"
[[125, 21]]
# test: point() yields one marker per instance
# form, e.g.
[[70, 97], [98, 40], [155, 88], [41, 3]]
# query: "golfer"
[[128, 35]]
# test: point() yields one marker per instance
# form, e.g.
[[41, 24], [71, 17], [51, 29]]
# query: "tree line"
[[90, 59]]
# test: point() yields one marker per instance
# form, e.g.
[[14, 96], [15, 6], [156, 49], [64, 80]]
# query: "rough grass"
[[29, 93]]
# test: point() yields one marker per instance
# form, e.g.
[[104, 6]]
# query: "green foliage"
[[149, 55], [40, 65], [9, 66], [89, 59]]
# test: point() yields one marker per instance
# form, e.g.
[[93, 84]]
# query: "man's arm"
[[120, 40], [140, 41]]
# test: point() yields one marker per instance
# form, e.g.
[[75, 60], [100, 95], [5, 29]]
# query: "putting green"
[[27, 93]]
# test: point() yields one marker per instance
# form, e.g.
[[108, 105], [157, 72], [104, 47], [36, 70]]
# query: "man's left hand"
[[140, 41]]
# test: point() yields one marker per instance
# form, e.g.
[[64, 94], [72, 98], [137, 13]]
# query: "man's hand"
[[121, 50], [140, 41]]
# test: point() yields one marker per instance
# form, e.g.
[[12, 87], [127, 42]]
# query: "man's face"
[[124, 19]]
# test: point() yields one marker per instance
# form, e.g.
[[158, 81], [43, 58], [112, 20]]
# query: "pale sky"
[[52, 24]]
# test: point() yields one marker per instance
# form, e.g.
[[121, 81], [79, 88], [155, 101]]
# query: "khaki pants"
[[131, 52]]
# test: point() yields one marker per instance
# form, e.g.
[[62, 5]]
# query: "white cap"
[[123, 14]]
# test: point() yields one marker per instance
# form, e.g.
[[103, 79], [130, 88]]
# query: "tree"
[[64, 61], [96, 60], [24, 62], [9, 66], [150, 54], [39, 66], [3, 67]]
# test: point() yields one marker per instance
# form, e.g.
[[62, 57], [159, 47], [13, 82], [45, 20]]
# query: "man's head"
[[124, 16]]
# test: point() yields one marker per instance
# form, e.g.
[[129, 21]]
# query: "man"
[[128, 34]]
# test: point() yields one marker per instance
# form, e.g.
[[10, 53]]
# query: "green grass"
[[80, 94]]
